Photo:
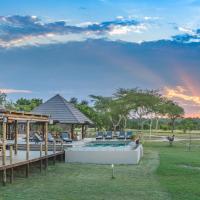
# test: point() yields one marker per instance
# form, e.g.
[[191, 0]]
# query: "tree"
[[113, 110], [173, 111], [27, 105], [2, 99], [141, 103], [91, 114], [73, 100]]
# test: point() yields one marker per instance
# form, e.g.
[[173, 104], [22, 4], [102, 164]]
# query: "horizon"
[[72, 49]]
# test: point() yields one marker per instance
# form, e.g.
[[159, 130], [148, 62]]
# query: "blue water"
[[102, 144]]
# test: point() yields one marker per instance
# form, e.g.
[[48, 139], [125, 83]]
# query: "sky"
[[77, 48]]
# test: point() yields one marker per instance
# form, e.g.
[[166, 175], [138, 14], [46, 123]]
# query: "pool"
[[108, 144], [105, 152]]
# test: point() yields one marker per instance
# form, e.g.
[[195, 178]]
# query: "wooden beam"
[[46, 137], [27, 139], [72, 131], [82, 131], [11, 175], [16, 137], [4, 130], [46, 143]]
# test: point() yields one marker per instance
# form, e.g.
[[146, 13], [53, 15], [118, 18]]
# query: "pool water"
[[108, 144]]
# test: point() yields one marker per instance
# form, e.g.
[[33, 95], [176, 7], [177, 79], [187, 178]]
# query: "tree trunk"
[[173, 125]]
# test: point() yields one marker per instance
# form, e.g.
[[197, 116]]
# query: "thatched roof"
[[62, 111]]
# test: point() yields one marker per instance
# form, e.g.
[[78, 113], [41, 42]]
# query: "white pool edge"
[[127, 156]]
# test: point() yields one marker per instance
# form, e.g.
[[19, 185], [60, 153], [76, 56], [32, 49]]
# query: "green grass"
[[164, 173], [179, 169]]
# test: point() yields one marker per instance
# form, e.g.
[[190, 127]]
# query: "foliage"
[[173, 111], [187, 124], [113, 110], [55, 129], [27, 105]]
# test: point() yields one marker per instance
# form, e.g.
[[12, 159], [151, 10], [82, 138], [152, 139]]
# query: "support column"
[[72, 131], [46, 143], [16, 137], [82, 131], [4, 130], [27, 147], [27, 139]]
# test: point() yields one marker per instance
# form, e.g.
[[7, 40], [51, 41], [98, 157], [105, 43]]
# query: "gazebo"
[[61, 111]]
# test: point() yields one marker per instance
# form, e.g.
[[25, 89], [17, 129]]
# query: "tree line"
[[126, 108]]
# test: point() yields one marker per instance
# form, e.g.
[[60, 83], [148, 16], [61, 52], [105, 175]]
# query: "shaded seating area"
[[63, 113], [13, 118]]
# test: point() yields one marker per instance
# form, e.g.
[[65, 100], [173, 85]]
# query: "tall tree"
[[173, 111], [27, 105]]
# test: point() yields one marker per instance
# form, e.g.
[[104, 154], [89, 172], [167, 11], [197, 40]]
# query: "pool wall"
[[128, 156]]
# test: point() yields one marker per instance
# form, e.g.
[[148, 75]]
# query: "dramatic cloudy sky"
[[78, 48]]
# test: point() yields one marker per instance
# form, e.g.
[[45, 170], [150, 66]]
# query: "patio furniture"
[[121, 135], [50, 138], [99, 136], [37, 138], [129, 135], [108, 135], [65, 137]]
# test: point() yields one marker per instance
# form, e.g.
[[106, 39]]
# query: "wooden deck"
[[19, 161]]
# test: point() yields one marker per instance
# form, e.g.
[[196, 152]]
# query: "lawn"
[[164, 173]]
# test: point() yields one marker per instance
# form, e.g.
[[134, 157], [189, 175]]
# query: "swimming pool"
[[105, 152], [108, 144]]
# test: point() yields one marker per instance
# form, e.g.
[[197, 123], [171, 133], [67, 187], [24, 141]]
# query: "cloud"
[[14, 91], [19, 30], [188, 35], [185, 98]]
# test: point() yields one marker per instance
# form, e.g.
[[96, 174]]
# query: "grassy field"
[[164, 173]]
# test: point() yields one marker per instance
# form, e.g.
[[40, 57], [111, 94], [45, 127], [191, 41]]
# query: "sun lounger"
[[121, 135], [129, 135], [108, 135], [37, 138], [99, 136], [65, 137], [50, 138]]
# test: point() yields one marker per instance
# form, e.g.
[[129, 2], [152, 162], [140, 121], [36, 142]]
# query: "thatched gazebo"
[[61, 111]]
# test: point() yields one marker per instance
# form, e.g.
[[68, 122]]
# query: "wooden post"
[[16, 137], [41, 157], [11, 175], [27, 170], [46, 143], [54, 151], [72, 131], [4, 150], [54, 147], [27, 139], [27, 147], [82, 131], [4, 144], [11, 155], [62, 146]]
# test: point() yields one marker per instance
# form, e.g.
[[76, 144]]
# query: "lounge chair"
[[65, 137], [121, 135], [108, 135], [99, 136], [50, 138], [129, 135], [37, 138]]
